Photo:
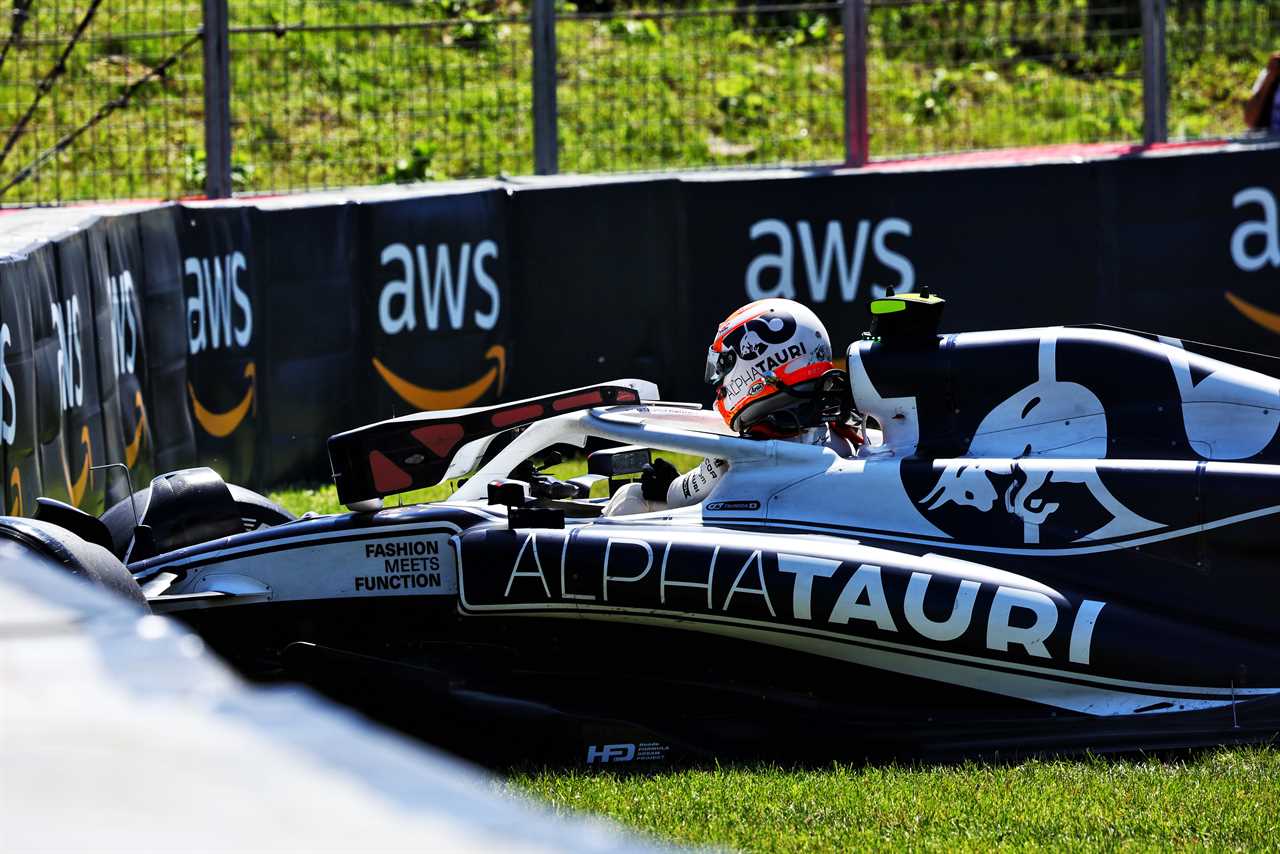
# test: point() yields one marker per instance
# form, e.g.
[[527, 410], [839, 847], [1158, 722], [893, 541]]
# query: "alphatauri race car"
[[1048, 539]]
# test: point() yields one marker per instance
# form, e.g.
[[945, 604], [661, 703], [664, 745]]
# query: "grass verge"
[[1220, 800], [1226, 799], [300, 499]]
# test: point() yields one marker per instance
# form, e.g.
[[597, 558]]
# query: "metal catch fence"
[[99, 100], [955, 76], [165, 98], [1210, 42]]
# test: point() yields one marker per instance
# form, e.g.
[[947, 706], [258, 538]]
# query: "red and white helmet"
[[759, 351]]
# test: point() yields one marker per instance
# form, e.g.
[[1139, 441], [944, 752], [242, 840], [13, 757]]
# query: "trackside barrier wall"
[[433, 280], [601, 290], [242, 334], [168, 437], [19, 435], [307, 320], [223, 320]]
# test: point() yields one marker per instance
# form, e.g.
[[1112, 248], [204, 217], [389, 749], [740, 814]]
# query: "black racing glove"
[[655, 478]]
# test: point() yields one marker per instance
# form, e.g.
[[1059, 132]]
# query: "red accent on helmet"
[[803, 373]]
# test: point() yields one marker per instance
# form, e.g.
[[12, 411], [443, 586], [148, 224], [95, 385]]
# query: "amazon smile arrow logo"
[[222, 424], [131, 450], [76, 488], [1268, 320], [1255, 246], [427, 399]]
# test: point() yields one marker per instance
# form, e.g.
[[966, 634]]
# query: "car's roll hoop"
[[417, 451]]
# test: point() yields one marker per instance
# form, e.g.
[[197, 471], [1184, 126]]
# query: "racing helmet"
[[762, 355]]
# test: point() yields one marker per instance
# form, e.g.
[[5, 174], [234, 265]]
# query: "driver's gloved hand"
[[655, 478]]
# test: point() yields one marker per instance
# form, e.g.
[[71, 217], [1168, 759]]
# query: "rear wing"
[[415, 451]]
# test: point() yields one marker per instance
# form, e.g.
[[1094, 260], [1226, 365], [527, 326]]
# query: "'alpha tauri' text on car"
[[1050, 538]]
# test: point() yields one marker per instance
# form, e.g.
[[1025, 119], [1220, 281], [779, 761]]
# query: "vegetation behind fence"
[[106, 98]]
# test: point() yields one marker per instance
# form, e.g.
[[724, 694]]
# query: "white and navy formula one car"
[[1050, 539]]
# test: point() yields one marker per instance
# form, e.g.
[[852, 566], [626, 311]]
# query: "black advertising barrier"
[[49, 376], [1196, 247], [17, 389], [258, 332], [313, 361], [124, 361], [79, 333], [1013, 246], [103, 341], [220, 279], [163, 318], [601, 293], [435, 282]]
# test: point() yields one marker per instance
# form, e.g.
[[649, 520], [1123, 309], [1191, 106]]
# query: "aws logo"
[[441, 287], [773, 274], [1255, 245], [220, 317], [8, 397], [124, 324], [124, 353], [66, 323], [9, 414]]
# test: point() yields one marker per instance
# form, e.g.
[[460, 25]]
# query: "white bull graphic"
[[1048, 418], [1231, 414], [752, 345], [967, 485]]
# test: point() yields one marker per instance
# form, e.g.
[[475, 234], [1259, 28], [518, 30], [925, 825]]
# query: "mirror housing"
[[617, 462]]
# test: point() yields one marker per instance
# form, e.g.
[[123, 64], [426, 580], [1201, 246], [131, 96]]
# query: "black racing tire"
[[256, 511], [89, 561]]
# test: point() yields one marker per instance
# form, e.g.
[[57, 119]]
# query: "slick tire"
[[256, 511], [30, 541]]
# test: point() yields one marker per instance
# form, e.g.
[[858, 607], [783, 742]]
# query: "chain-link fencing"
[[958, 76], [664, 87], [106, 98], [333, 92], [100, 100], [1216, 48]]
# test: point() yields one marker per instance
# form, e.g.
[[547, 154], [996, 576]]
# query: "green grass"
[[1226, 800], [1223, 800], [300, 499], [324, 499], [453, 99]]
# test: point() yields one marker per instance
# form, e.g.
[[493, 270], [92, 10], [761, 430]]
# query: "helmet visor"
[[719, 364]]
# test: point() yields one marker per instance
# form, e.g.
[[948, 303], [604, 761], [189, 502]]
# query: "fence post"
[[217, 100], [546, 154], [853, 15], [1155, 73]]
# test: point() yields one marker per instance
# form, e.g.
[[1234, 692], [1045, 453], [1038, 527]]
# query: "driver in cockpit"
[[770, 364]]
